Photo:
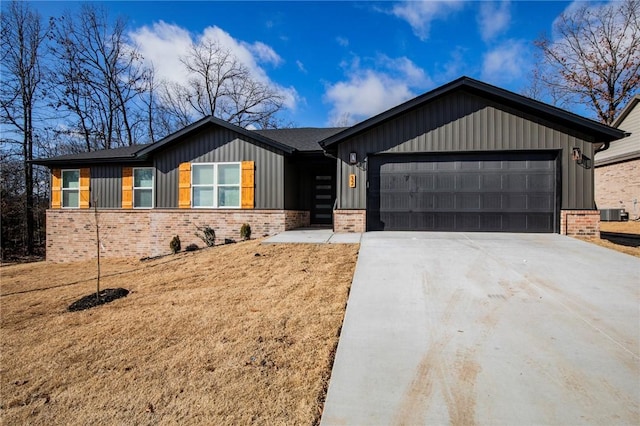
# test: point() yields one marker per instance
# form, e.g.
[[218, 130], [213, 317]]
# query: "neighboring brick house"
[[617, 169], [466, 156]]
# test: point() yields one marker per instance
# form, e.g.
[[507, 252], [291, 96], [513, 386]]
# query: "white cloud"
[[366, 92], [420, 14], [455, 67], [301, 66], [506, 63], [163, 44], [342, 41], [494, 19]]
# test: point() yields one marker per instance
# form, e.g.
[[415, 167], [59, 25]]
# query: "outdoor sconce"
[[576, 155], [353, 158]]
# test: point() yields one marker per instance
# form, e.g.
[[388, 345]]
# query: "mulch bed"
[[105, 296]]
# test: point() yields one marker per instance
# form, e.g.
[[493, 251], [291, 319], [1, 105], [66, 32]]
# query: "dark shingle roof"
[[104, 155], [302, 139]]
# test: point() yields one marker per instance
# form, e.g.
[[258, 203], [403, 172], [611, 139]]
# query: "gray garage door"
[[511, 192]]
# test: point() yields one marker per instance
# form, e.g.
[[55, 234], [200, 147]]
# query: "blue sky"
[[345, 59]]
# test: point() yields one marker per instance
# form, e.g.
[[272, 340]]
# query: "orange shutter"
[[85, 190], [127, 187], [56, 188], [184, 186], [248, 185]]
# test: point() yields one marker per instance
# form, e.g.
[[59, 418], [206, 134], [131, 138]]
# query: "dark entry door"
[[510, 192], [323, 195]]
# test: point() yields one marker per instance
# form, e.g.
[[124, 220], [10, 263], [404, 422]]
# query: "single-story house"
[[617, 169], [467, 156]]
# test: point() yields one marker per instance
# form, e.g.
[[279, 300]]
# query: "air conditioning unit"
[[611, 215]]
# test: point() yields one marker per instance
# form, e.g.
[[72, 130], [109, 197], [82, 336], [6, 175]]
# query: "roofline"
[[627, 156], [212, 120], [87, 161], [625, 112], [553, 113]]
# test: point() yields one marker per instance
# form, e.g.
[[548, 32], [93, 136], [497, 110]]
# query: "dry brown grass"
[[219, 336], [630, 227]]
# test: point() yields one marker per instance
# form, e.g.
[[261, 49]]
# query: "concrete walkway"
[[314, 236], [488, 329]]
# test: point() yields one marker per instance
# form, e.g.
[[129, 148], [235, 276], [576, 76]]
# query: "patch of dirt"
[[236, 334], [618, 244], [629, 227], [91, 300]]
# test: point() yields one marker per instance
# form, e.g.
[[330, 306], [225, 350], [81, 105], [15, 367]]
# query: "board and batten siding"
[[462, 122], [106, 186], [221, 145], [625, 148]]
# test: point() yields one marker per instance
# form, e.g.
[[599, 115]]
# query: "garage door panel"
[[445, 182], [395, 202], [490, 182], [540, 183], [463, 193], [424, 181], [469, 181], [468, 201]]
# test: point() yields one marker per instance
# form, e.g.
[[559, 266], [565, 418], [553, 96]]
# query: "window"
[[71, 188], [143, 188], [216, 185]]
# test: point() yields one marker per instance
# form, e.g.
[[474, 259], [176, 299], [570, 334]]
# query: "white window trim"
[[62, 188], [133, 187], [216, 185]]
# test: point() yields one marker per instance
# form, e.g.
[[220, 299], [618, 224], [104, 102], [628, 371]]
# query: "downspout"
[[603, 147]]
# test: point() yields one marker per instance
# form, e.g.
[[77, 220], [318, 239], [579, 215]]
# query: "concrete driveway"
[[488, 329]]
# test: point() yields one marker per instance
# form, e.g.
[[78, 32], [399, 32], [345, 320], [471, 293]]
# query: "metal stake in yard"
[[95, 212]]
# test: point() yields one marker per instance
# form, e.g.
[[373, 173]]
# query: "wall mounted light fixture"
[[353, 158], [576, 155]]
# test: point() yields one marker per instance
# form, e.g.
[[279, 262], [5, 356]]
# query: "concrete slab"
[[313, 236], [302, 235], [460, 328], [346, 238]]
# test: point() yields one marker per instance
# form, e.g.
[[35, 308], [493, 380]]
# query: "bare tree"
[[22, 40], [221, 86], [98, 78], [593, 58]]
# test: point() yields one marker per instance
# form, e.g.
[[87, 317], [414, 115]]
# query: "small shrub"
[[229, 241], [175, 244], [192, 247], [245, 231], [208, 235]]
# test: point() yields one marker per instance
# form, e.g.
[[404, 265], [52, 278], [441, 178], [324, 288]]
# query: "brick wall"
[[296, 219], [71, 234], [349, 220], [584, 223], [618, 186]]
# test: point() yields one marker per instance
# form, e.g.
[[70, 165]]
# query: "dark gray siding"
[[292, 185], [221, 145], [106, 186], [463, 122]]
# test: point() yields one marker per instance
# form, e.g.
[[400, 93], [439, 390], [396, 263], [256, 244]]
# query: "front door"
[[323, 195]]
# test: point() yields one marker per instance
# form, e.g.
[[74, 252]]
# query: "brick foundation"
[[583, 223], [349, 220], [618, 187], [71, 234]]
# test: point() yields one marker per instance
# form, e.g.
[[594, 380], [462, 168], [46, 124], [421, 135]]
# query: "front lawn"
[[236, 334]]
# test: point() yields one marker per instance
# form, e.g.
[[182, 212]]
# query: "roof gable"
[[140, 153], [626, 111], [519, 102]]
